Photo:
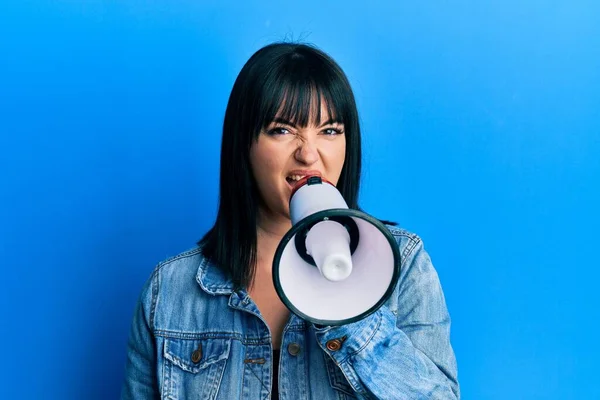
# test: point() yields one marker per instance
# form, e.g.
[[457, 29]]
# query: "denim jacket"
[[194, 337]]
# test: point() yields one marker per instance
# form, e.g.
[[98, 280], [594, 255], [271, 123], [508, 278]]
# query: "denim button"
[[197, 355], [294, 348], [334, 344]]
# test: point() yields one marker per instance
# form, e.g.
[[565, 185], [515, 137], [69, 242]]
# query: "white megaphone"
[[335, 265]]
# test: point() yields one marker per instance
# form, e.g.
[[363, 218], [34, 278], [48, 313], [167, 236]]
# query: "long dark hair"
[[283, 80]]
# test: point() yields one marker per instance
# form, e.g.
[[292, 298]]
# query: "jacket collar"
[[212, 279]]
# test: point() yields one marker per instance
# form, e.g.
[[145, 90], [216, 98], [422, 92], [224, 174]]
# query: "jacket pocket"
[[194, 367]]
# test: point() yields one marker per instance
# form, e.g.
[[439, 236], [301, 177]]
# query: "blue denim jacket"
[[194, 337]]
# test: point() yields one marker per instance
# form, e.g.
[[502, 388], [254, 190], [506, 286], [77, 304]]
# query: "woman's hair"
[[282, 80]]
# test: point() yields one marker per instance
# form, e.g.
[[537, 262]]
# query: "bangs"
[[299, 101]]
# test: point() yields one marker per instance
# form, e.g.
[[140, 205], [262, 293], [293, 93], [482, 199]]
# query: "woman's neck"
[[270, 229]]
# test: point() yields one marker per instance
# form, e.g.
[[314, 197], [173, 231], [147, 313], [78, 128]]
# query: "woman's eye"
[[278, 131], [332, 131]]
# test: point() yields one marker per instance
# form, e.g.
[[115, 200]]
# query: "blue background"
[[481, 134]]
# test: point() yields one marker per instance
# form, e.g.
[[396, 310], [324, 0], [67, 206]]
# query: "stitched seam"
[[154, 300], [243, 382], [413, 241], [211, 335], [341, 384], [260, 380], [373, 332], [185, 254], [166, 381], [401, 232], [296, 328], [354, 383], [410, 248]]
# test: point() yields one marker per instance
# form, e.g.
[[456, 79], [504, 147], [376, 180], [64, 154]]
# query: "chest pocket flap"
[[194, 355]]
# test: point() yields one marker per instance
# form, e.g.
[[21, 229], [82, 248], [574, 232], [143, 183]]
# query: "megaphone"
[[336, 265]]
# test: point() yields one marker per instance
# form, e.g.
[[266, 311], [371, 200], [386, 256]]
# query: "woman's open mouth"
[[293, 179], [296, 176]]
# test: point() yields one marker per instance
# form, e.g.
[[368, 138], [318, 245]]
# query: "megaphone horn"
[[335, 265]]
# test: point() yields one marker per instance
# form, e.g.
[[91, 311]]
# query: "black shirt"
[[275, 390]]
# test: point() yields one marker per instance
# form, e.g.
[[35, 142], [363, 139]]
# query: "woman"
[[209, 323]]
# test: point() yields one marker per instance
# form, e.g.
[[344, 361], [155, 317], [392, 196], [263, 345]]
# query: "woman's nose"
[[306, 152]]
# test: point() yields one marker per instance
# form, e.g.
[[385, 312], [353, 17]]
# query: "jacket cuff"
[[344, 341]]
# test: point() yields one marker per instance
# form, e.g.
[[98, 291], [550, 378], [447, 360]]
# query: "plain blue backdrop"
[[481, 134]]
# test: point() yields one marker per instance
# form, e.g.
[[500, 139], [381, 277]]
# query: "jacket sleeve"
[[402, 351], [140, 371]]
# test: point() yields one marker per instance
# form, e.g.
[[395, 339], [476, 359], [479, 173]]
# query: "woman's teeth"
[[293, 179]]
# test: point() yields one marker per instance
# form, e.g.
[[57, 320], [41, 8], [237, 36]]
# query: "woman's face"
[[284, 153]]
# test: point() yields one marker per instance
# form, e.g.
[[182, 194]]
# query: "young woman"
[[209, 324]]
